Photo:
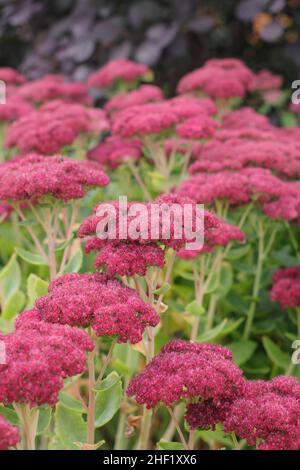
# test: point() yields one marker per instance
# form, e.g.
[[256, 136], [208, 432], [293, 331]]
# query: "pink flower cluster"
[[286, 287], [268, 414], [121, 253], [53, 87], [56, 125], [143, 94], [153, 118], [115, 150], [219, 79], [39, 356], [219, 236], [11, 76], [184, 370], [117, 70], [9, 435], [35, 176], [14, 108], [105, 303]]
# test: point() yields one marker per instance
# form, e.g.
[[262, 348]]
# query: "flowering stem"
[[180, 433], [106, 362], [257, 279], [235, 442], [92, 399], [120, 442], [29, 421], [143, 443]]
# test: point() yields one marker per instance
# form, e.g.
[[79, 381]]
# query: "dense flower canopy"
[[105, 303], [54, 126], [268, 414], [184, 370], [14, 108], [38, 353], [35, 176], [9, 435], [117, 70], [286, 287]]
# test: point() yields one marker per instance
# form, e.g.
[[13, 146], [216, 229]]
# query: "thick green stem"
[[29, 421], [257, 280], [143, 443], [92, 399]]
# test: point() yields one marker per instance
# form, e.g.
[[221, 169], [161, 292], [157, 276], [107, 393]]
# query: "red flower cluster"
[[144, 94], [268, 414], [184, 370], [200, 127], [35, 176], [286, 287], [115, 150], [219, 79], [9, 435], [39, 356], [56, 125], [105, 303], [53, 87]]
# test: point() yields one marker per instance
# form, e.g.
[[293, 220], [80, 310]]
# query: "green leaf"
[[213, 284], [225, 280], [45, 413], [237, 253], [166, 445], [36, 287], [64, 244], [10, 280], [75, 262], [108, 402], [14, 305], [163, 289], [10, 415], [195, 308], [213, 333], [242, 350], [70, 403], [278, 357], [109, 381], [69, 426], [31, 258]]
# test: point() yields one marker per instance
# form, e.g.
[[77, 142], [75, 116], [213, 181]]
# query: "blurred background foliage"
[[74, 37]]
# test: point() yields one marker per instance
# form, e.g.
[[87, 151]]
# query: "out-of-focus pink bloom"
[[117, 70], [53, 87], [286, 287], [200, 127], [11, 76], [265, 81], [144, 94], [9, 435], [14, 108], [115, 150]]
